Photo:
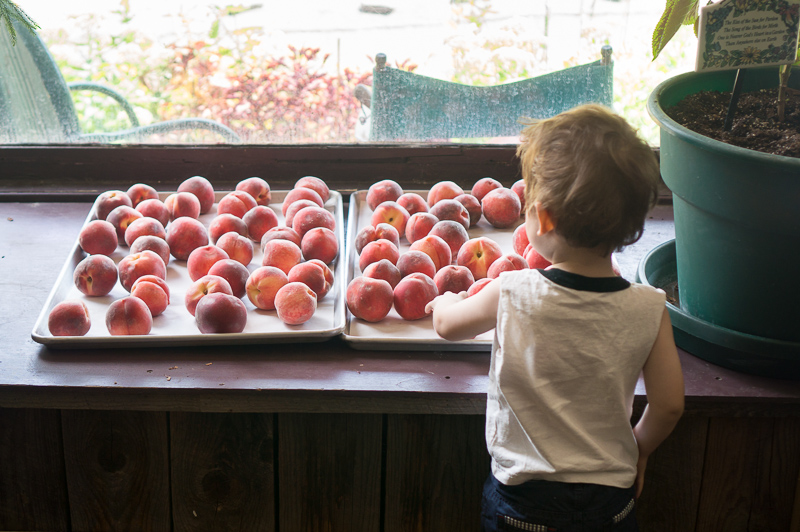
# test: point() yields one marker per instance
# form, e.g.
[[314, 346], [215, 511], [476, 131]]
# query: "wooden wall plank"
[[117, 469], [222, 471], [671, 492], [33, 489], [329, 472], [435, 470]]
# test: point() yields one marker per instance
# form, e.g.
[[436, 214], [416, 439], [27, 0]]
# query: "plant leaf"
[[10, 11], [675, 14]]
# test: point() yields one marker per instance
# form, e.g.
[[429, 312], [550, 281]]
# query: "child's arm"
[[458, 317], [663, 381]]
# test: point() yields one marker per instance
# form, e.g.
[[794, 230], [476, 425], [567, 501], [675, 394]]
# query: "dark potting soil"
[[755, 124]]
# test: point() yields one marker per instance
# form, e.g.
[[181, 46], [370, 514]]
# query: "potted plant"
[[737, 228]]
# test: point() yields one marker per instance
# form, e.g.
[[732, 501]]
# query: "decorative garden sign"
[[747, 33]]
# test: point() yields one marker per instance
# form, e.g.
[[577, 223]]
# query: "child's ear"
[[543, 217]]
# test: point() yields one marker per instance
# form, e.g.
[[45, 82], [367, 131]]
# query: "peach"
[[201, 259], [146, 262], [154, 208], [453, 278], [316, 184], [413, 203], [392, 213], [451, 209], [220, 313], [238, 247], [208, 284], [473, 207], [128, 316], [369, 299], [506, 263], [152, 279], [478, 285], [413, 261], [443, 190], [140, 192], [295, 303], [234, 272], [295, 206], [364, 236], [384, 269], [377, 250], [384, 190], [184, 235], [155, 244], [320, 243], [283, 254], [256, 187], [387, 232], [153, 295], [69, 318], [314, 276], [280, 233], [98, 237], [519, 188], [478, 254], [311, 217], [202, 190], [501, 207], [263, 284], [483, 186], [436, 248], [183, 204], [298, 194], [236, 203], [95, 275], [225, 223], [419, 225], [258, 221], [144, 226], [110, 200], [451, 232], [121, 218], [534, 259], [519, 240], [412, 294]]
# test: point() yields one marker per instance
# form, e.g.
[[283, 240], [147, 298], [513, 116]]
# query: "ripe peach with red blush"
[[506, 263], [234, 272], [295, 303], [387, 232], [451, 232], [69, 318], [184, 235], [201, 259], [478, 254], [280, 233], [238, 247], [384, 190], [412, 294], [519, 240], [326, 271], [154, 208], [377, 250], [140, 192], [258, 188], [283, 254], [146, 262], [95, 275], [263, 284], [483, 186], [298, 194], [294, 207], [501, 207], [183, 204], [98, 237], [519, 189], [128, 316], [436, 248], [153, 295], [259, 220], [110, 200], [320, 243], [414, 261], [451, 209], [225, 223], [236, 203], [152, 279], [311, 217], [316, 184], [220, 313], [202, 189], [413, 203], [364, 236], [477, 286], [313, 275], [144, 226], [383, 269], [392, 213], [208, 284], [473, 207], [443, 190], [419, 225], [534, 259], [453, 278], [369, 299], [121, 218], [155, 244]]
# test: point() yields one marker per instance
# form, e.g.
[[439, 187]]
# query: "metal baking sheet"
[[176, 326], [393, 332]]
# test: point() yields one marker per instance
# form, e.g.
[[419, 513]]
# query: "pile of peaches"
[[293, 275], [441, 256]]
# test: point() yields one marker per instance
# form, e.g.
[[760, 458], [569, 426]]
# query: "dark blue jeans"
[[545, 506]]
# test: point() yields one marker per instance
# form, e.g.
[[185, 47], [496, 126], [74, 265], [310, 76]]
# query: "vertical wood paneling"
[[329, 472], [117, 470], [33, 490], [435, 470], [222, 471], [672, 482]]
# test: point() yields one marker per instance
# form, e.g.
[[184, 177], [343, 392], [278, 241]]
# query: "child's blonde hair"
[[595, 176]]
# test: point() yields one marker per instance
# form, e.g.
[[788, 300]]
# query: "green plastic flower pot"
[[737, 217]]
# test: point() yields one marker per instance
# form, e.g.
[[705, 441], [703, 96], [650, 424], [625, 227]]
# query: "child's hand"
[[446, 298]]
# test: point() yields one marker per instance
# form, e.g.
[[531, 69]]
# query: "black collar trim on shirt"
[[587, 284]]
